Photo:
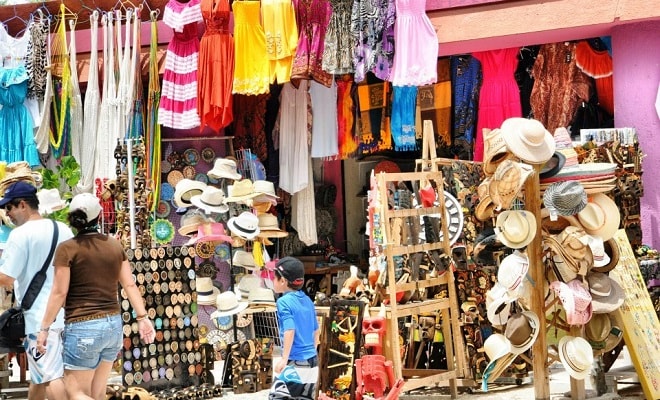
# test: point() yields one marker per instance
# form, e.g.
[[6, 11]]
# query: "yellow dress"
[[251, 72], [279, 21]]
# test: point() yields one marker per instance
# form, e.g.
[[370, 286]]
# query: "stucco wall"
[[636, 57]]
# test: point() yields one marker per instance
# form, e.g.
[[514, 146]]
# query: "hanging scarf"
[[62, 89], [152, 128]]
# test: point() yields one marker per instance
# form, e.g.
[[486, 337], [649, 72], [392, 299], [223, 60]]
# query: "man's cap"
[[18, 190], [291, 269]]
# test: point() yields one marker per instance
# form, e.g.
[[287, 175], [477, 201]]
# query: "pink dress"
[[416, 56], [312, 17], [178, 99], [499, 97]]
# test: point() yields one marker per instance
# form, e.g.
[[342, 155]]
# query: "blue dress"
[[16, 124]]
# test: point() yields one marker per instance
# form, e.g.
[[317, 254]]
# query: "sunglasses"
[[12, 205]]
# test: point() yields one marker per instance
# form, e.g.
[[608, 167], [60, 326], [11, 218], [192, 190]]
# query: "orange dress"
[[216, 66]]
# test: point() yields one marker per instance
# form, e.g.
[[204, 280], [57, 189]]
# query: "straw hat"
[[612, 250], [498, 304], [553, 165], [515, 228], [212, 232], [224, 168], [240, 191], [600, 217], [512, 270], [191, 221], [210, 200], [576, 355], [185, 189], [261, 297], [528, 140], [575, 299], [522, 329], [269, 227], [597, 247], [496, 346], [495, 150], [266, 191], [247, 283], [509, 178], [50, 201], [245, 225], [486, 208], [226, 303], [243, 259], [565, 198], [606, 293], [597, 330], [206, 292]]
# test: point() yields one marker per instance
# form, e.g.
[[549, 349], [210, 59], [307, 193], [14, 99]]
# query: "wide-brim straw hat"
[[576, 355], [600, 217], [606, 293], [528, 140], [515, 228], [210, 200], [495, 150], [241, 191], [185, 189], [269, 228], [508, 180], [224, 168], [226, 304]]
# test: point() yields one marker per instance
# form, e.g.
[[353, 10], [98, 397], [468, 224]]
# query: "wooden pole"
[[537, 275]]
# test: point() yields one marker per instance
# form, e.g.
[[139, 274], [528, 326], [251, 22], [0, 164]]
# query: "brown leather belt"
[[92, 317]]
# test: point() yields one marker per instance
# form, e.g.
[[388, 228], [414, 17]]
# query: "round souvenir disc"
[[162, 231], [454, 219], [224, 323], [166, 192], [202, 178], [163, 209], [174, 177], [165, 166], [208, 154], [222, 251], [191, 156], [189, 172]]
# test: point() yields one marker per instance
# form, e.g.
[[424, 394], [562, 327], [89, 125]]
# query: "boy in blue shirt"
[[297, 370]]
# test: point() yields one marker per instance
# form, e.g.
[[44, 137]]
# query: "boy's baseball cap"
[[291, 269], [18, 190], [88, 203]]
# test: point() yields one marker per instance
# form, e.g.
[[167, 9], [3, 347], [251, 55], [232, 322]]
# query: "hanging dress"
[[279, 22], [312, 17], [42, 80], [466, 78], [251, 71], [216, 66], [339, 43], [598, 65], [347, 109], [107, 136], [76, 104], [415, 62], [499, 97], [324, 120], [372, 29], [293, 140], [178, 101], [15, 121]]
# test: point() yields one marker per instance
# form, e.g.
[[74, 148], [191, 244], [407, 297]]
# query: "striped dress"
[[178, 101]]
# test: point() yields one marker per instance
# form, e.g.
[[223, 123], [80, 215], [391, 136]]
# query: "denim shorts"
[[87, 343]]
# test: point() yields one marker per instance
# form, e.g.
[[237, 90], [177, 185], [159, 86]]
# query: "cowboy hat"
[[522, 330], [597, 330], [210, 200], [576, 355], [565, 198], [597, 247], [240, 191], [498, 304], [575, 299], [185, 189], [528, 140], [50, 201], [512, 270], [245, 225], [211, 232], [226, 304], [497, 348], [606, 293], [509, 178], [206, 291], [269, 227], [515, 228], [485, 209], [224, 168], [600, 217], [495, 150], [612, 250]]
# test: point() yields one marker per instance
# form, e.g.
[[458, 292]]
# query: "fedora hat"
[[509, 178], [266, 192], [226, 304], [240, 191], [269, 227], [495, 150], [512, 270], [206, 291], [210, 200], [224, 168], [245, 225], [600, 217], [261, 297], [243, 259], [575, 300], [606, 293], [50, 201], [185, 189], [211, 232], [553, 165], [565, 198], [612, 250], [597, 330], [486, 208], [191, 221], [498, 304], [247, 283], [515, 228], [497, 348], [522, 329], [576, 355], [528, 140]]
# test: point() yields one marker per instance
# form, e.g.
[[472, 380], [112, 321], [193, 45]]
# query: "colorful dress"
[[415, 62], [499, 97], [216, 66], [279, 20], [339, 43], [372, 28], [251, 74], [17, 137], [312, 17], [466, 76], [178, 100]]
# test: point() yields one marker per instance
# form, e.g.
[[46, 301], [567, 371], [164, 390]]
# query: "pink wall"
[[636, 58]]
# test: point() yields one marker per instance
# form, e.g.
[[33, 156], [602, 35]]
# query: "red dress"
[[499, 97], [216, 66]]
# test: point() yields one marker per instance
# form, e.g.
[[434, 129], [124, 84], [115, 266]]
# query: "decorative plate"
[[165, 167], [224, 323], [174, 177], [454, 218], [162, 211], [191, 156], [162, 231], [189, 172], [166, 191], [208, 154], [202, 178], [222, 251]]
